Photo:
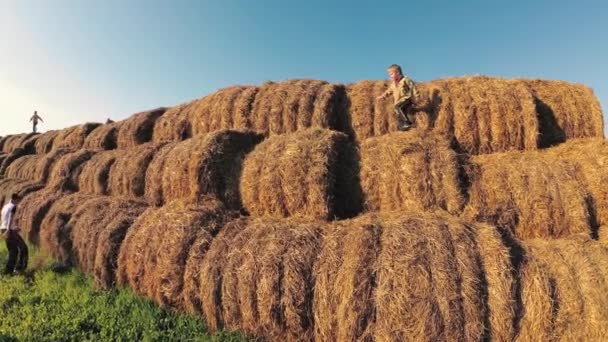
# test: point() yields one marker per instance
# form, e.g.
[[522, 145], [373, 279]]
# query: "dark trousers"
[[34, 126], [17, 253], [403, 111]]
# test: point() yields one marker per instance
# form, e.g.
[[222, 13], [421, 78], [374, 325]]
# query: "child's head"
[[394, 71]]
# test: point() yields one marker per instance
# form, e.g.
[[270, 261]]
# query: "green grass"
[[48, 306]]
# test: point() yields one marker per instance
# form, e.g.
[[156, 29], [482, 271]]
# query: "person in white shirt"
[[17, 249]]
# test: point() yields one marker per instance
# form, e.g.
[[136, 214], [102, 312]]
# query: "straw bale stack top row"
[[480, 114]]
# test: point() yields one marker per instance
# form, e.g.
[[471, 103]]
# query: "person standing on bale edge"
[[17, 249], [34, 119], [404, 93]]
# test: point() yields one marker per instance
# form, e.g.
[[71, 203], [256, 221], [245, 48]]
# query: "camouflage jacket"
[[404, 90]]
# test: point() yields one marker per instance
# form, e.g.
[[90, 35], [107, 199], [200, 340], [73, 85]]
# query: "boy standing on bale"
[[404, 93], [17, 249], [34, 119]]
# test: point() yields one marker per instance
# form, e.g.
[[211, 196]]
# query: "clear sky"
[[87, 60]]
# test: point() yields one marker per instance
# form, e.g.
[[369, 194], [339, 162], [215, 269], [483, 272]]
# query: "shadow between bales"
[[550, 132]]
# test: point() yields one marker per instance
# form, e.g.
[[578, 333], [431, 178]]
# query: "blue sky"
[[79, 61]]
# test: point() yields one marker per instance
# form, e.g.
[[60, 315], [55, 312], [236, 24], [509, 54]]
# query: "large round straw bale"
[[74, 137], [32, 210], [267, 286], [211, 273], [295, 105], [98, 228], [102, 138], [93, 178], [20, 187], [128, 174], [273, 108], [174, 125], [215, 111], [55, 229], [153, 255], [108, 246], [530, 193], [17, 141], [138, 128], [46, 140], [66, 170], [565, 111], [591, 158], [563, 290], [410, 171], [23, 167], [419, 276], [36, 167], [10, 158], [311, 173], [155, 173], [204, 165]]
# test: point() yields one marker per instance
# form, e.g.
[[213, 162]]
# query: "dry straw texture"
[[482, 114], [174, 125], [563, 287], [153, 256], [95, 174], [208, 164], [211, 275], [312, 173], [2, 141], [102, 138], [258, 277], [45, 142], [272, 108], [137, 129], [412, 171], [591, 158], [55, 229], [9, 186], [566, 111], [66, 170], [13, 142], [35, 167], [416, 277], [32, 210], [74, 137], [97, 229], [530, 193], [9, 158], [128, 174]]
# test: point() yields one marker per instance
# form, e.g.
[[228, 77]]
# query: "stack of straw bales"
[[480, 224]]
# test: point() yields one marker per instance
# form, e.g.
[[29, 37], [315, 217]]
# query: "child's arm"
[[385, 94]]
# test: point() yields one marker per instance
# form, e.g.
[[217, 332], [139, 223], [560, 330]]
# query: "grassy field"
[[48, 304]]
